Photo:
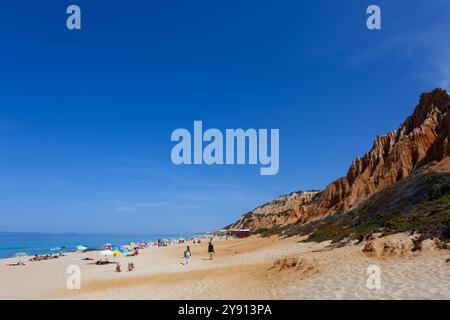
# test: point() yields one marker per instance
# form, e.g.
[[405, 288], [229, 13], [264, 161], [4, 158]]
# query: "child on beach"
[[187, 255], [211, 250], [130, 266], [118, 269]]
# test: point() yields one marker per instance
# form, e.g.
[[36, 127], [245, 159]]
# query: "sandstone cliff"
[[422, 139], [277, 212]]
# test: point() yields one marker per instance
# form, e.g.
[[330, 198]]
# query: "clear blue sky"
[[86, 116]]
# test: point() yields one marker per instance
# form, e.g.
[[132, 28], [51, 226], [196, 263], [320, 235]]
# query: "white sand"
[[240, 270]]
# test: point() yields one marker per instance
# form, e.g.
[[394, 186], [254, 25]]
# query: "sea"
[[42, 243]]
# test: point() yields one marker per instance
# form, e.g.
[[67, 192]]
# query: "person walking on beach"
[[187, 255], [211, 250]]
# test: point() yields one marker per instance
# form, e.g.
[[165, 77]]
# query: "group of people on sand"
[[188, 254], [44, 257], [118, 268], [102, 262], [134, 253], [20, 263], [36, 257], [130, 267]]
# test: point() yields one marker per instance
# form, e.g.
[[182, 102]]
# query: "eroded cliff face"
[[422, 139], [277, 212]]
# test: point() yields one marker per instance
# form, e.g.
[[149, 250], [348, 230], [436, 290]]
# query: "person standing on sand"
[[187, 255], [211, 250]]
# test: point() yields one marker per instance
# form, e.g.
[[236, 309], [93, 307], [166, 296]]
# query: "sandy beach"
[[252, 268]]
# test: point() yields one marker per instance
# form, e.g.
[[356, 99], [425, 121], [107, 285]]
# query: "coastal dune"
[[252, 268]]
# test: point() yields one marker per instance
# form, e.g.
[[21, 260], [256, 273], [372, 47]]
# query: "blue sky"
[[86, 116]]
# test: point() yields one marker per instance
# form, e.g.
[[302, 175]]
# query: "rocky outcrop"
[[277, 212], [400, 245], [422, 139], [303, 267], [397, 245]]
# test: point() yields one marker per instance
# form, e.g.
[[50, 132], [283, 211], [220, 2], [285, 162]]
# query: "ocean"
[[41, 243]]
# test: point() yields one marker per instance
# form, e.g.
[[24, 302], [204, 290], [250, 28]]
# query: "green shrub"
[[260, 230]]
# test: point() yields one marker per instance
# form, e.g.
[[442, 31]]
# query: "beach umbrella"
[[81, 248], [114, 247], [124, 250], [20, 255], [106, 253], [124, 247], [116, 252]]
